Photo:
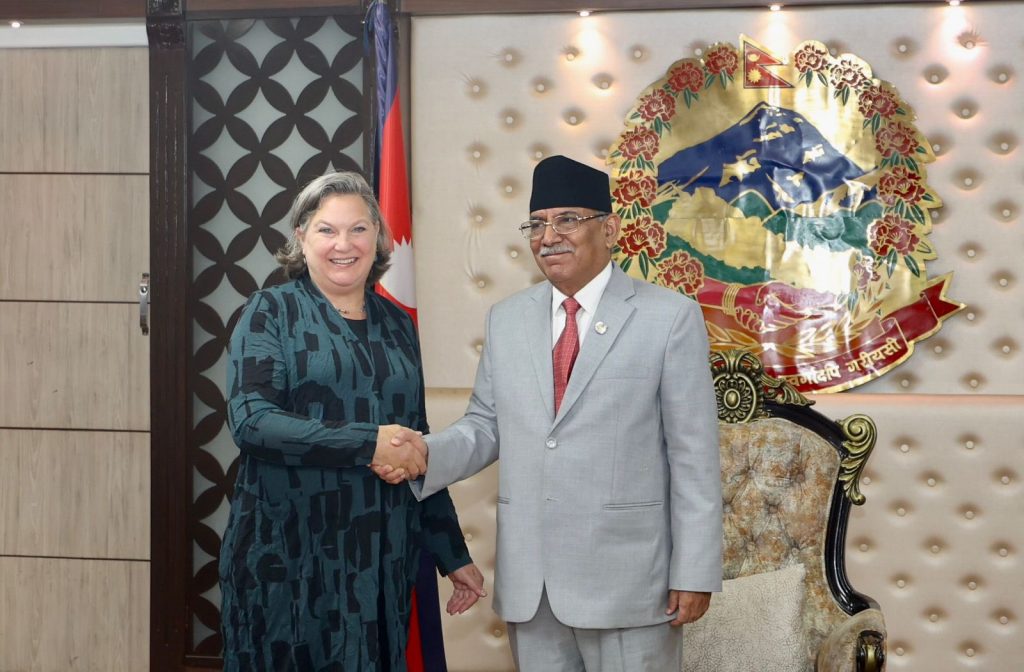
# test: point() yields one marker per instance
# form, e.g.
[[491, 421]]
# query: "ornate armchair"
[[789, 476]]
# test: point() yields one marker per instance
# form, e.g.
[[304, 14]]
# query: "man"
[[609, 503]]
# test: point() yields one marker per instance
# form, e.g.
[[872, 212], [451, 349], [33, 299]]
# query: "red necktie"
[[566, 349]]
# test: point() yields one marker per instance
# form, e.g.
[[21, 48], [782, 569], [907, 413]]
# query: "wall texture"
[[935, 543], [74, 410]]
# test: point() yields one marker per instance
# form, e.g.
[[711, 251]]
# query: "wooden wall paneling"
[[73, 237], [68, 615], [73, 110], [74, 494], [79, 9], [73, 365]]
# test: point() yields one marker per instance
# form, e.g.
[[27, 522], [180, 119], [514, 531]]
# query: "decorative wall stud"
[[509, 57], [509, 118], [573, 116], [1003, 142], [935, 74], [602, 81], [965, 108], [969, 39], [1005, 210], [1004, 346], [538, 151], [475, 88], [941, 144], [1000, 74], [477, 152], [904, 47]]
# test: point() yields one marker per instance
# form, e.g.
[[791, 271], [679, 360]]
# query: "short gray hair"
[[309, 200]]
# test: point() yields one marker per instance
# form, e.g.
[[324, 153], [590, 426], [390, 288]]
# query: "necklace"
[[360, 309]]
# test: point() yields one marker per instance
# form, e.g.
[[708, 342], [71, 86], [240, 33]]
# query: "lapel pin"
[[600, 327]]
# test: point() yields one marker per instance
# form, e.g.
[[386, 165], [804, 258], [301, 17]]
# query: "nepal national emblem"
[[790, 199]]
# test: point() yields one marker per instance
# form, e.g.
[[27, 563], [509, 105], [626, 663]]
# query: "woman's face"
[[340, 245]]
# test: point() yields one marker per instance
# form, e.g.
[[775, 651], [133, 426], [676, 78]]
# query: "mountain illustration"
[[773, 151]]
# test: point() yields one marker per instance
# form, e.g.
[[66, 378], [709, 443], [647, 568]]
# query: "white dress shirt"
[[588, 298]]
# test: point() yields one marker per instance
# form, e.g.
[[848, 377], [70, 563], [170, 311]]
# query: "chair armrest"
[[855, 645]]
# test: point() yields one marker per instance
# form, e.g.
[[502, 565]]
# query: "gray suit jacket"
[[616, 499]]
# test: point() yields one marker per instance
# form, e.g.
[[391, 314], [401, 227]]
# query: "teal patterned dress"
[[319, 556]]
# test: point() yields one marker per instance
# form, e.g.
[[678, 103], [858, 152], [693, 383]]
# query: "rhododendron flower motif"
[[658, 104], [811, 59], [892, 232], [637, 238], [722, 59], [900, 184], [876, 100], [896, 138], [636, 188], [685, 76], [682, 271], [639, 142]]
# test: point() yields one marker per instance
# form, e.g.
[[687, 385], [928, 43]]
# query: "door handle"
[[144, 304]]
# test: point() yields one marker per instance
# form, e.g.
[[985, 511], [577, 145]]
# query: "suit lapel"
[[537, 327], [614, 312]]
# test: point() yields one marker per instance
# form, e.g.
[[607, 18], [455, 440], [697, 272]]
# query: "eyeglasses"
[[533, 229]]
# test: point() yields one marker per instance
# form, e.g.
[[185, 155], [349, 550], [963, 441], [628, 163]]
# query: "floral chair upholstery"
[[789, 477]]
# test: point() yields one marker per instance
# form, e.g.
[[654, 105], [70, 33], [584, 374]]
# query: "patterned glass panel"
[[275, 102]]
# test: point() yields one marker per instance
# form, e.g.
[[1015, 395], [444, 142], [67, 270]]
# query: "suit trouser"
[[544, 644]]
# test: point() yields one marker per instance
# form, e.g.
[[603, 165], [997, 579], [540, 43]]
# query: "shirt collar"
[[589, 296]]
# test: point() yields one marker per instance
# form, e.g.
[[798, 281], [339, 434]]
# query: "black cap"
[[560, 182]]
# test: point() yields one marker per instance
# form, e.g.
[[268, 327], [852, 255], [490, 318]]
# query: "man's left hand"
[[687, 606]]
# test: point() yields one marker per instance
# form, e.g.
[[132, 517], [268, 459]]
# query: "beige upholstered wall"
[[74, 406], [938, 542]]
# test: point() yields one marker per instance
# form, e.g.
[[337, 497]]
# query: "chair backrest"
[[789, 476]]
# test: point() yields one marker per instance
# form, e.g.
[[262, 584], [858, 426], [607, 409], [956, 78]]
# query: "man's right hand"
[[401, 454]]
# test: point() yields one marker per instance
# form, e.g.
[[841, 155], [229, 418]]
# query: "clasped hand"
[[401, 454]]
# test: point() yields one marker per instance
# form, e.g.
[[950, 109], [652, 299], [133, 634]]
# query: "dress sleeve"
[[441, 533], [258, 388]]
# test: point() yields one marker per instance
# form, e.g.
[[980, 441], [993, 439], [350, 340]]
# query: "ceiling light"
[[954, 3], [584, 13], [775, 8], [15, 24]]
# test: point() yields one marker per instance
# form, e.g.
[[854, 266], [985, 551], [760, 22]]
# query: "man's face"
[[571, 260]]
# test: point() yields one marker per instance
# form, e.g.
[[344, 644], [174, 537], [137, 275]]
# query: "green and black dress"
[[319, 556]]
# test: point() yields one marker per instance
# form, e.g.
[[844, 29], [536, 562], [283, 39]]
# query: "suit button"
[[551, 443]]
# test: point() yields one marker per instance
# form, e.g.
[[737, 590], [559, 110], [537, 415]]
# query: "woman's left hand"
[[469, 587]]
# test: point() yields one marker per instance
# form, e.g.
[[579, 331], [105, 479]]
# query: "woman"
[[319, 555]]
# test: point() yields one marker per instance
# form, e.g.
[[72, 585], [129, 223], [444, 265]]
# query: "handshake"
[[401, 454]]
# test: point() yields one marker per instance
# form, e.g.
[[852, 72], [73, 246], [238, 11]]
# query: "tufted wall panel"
[[937, 542], [490, 95]]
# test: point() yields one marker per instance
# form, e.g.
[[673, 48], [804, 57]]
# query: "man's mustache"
[[545, 250]]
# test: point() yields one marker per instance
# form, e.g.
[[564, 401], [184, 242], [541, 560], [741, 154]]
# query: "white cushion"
[[755, 623]]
